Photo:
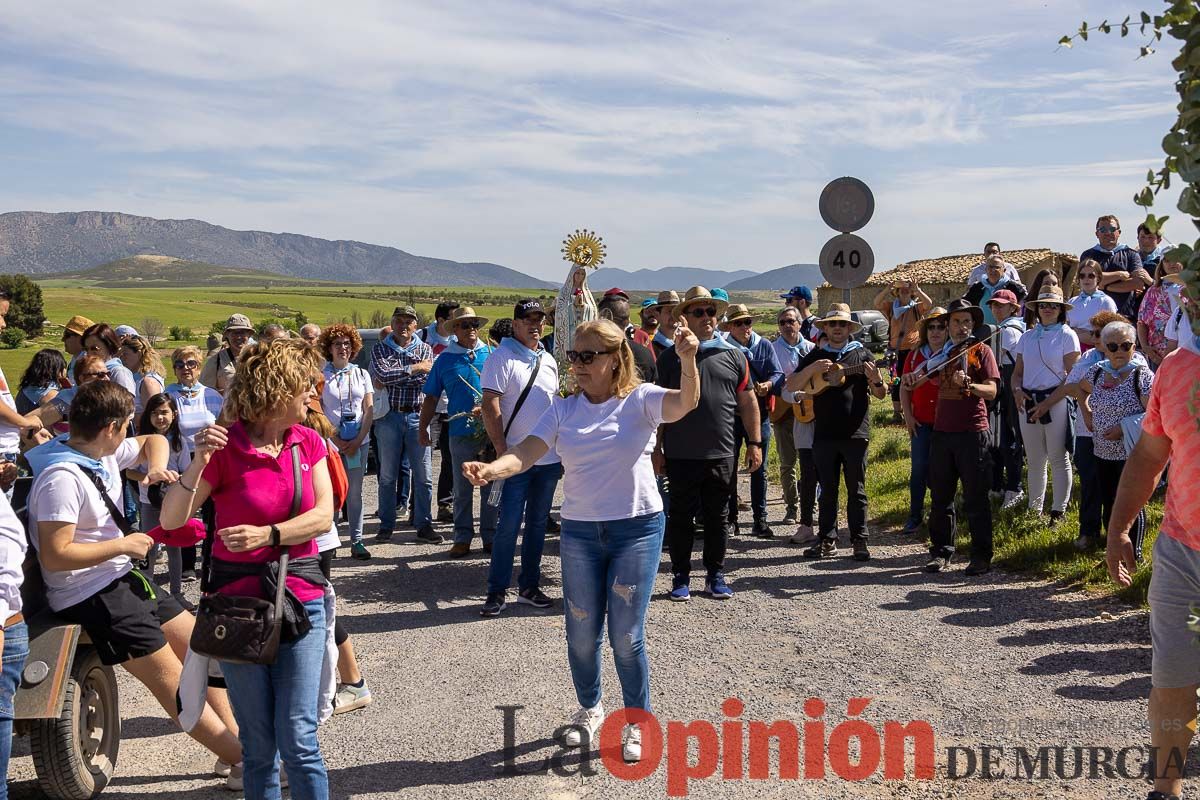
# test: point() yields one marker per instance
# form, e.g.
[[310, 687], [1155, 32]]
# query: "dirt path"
[[995, 661]]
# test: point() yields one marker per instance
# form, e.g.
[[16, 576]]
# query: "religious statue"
[[575, 304]]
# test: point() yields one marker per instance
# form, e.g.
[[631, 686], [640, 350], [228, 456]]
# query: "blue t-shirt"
[[457, 373]]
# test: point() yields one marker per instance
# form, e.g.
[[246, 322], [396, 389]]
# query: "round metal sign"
[[847, 261], [846, 204]]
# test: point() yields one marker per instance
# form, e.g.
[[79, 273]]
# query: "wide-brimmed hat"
[[937, 312], [465, 312], [960, 304], [734, 313], [78, 324], [1051, 294], [699, 296], [665, 298], [838, 312], [238, 322], [1004, 296]]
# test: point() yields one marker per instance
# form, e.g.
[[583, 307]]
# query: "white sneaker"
[[1012, 499], [351, 698], [585, 719], [803, 535], [632, 749], [222, 769]]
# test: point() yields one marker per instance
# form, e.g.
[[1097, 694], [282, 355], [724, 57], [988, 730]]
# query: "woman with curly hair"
[[247, 469], [140, 358], [348, 403], [45, 376]]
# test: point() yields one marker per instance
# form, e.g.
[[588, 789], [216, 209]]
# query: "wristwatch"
[[754, 444], [274, 536]]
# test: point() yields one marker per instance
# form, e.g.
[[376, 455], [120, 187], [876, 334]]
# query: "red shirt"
[[253, 488], [642, 337], [924, 397], [958, 414]]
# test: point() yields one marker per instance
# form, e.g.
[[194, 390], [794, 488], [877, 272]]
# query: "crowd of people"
[[258, 447]]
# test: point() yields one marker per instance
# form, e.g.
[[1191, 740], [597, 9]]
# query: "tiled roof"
[[955, 269]]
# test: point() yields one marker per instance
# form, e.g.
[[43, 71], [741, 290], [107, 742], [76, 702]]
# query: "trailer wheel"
[[75, 755]]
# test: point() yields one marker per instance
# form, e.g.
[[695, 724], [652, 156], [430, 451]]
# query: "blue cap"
[[649, 301], [720, 294], [803, 292]]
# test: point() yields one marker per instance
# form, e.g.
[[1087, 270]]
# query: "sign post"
[[846, 261]]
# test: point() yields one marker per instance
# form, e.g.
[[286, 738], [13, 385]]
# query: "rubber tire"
[[64, 771]]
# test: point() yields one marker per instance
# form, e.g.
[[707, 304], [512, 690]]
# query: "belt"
[[15, 619], [407, 409]]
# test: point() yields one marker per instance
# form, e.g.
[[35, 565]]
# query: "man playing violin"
[[842, 426], [959, 450]]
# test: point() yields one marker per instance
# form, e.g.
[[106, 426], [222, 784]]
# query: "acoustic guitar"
[[802, 409], [835, 377]]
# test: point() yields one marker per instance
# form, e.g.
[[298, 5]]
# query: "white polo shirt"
[[506, 372]]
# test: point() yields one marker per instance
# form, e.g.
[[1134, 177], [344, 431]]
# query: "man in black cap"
[[959, 450], [801, 299]]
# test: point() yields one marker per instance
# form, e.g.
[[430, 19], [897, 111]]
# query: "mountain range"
[[45, 244]]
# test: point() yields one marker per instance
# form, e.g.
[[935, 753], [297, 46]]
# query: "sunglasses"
[[190, 364], [701, 313], [837, 324], [1124, 347], [100, 376], [936, 326], [742, 323], [1048, 306], [473, 325], [1107, 229], [788, 321], [586, 357]]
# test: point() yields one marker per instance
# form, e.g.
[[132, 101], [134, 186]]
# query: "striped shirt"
[[199, 406], [392, 365]]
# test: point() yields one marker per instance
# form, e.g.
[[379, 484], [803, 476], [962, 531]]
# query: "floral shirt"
[[1113, 402], [1157, 307]]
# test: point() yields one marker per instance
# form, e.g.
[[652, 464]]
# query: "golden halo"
[[584, 248]]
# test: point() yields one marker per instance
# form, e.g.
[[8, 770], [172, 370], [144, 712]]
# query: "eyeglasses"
[[189, 364], [1107, 229], [100, 376], [936, 326], [340, 343], [1124, 347], [742, 323], [701, 313], [586, 357], [789, 321], [473, 325], [837, 323]]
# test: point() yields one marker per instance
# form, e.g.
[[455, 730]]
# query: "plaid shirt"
[[199, 406], [393, 368]]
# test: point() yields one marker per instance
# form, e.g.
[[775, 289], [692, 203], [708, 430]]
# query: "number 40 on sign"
[[847, 261]]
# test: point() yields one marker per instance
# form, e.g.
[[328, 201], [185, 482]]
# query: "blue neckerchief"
[[410, 348], [1116, 249], [849, 347], [57, 451], [993, 286], [188, 391], [1042, 330], [662, 340], [794, 349], [530, 356], [1119, 374], [717, 343], [941, 356], [926, 352], [1017, 323], [748, 349], [898, 309], [113, 363], [1090, 295]]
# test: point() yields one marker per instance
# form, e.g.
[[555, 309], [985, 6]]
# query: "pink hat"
[[1004, 296], [187, 536]]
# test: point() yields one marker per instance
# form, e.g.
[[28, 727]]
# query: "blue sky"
[[693, 133]]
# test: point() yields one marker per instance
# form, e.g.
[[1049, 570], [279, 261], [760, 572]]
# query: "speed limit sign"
[[847, 261]]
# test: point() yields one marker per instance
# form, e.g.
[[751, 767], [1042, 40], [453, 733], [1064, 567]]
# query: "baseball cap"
[[125, 330], [527, 306], [405, 311], [720, 294], [615, 292], [803, 292], [649, 301]]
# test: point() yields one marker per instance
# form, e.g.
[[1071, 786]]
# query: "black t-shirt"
[[707, 430], [841, 412], [644, 360]]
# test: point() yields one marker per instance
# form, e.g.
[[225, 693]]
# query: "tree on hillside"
[[25, 311]]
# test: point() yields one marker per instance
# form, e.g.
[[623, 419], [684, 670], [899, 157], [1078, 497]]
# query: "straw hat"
[[838, 312], [78, 324], [1052, 294], [937, 312], [734, 313], [465, 312], [699, 296], [667, 298]]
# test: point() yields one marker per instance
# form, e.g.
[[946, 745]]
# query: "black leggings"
[[339, 633], [1109, 475]]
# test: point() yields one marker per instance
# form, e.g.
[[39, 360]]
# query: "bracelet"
[[687, 374], [184, 485], [274, 536], [754, 444]]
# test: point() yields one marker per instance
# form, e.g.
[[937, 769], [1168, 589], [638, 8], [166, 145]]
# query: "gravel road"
[[997, 661]]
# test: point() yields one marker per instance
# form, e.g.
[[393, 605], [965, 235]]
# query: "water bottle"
[[497, 490]]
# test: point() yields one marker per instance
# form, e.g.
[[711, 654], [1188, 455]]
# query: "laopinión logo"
[[854, 750]]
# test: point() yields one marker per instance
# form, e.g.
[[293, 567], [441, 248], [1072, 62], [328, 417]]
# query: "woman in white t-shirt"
[[1090, 301], [348, 402], [1045, 355], [612, 520]]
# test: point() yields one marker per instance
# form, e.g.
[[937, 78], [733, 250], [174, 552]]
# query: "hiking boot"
[[937, 564], [825, 548], [585, 722], [1085, 543], [351, 698], [359, 551], [789, 517], [717, 587], [459, 549], [978, 566], [494, 604], [679, 589], [861, 553], [383, 535], [445, 514], [1012, 499], [762, 530], [534, 597], [428, 535], [1056, 517], [911, 527], [803, 535]]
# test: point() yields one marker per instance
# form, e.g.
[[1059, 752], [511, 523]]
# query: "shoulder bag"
[[243, 630]]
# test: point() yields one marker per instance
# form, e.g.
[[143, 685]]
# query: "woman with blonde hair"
[[612, 520], [248, 470], [140, 358]]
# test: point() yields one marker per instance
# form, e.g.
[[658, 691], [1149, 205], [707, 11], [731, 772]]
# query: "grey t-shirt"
[[707, 431]]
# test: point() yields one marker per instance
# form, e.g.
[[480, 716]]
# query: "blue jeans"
[[610, 567], [398, 439], [16, 648], [354, 503], [462, 450], [276, 710], [527, 495], [918, 480], [758, 478]]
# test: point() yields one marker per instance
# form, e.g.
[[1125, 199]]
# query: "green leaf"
[[1124, 29], [1064, 41], [1173, 144], [1104, 27], [1145, 18], [1145, 197], [1189, 202], [1083, 30], [1145, 51]]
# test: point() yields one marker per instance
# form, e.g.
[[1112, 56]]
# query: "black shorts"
[[124, 619]]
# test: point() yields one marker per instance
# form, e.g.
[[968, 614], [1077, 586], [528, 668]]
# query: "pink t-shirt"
[[1174, 412], [252, 488]]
